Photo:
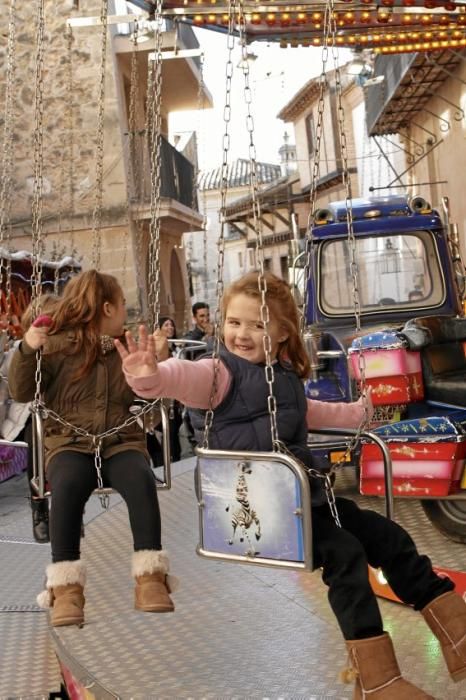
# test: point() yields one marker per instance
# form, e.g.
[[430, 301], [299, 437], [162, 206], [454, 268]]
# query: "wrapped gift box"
[[393, 372], [428, 457]]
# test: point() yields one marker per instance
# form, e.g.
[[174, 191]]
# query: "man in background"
[[202, 329]]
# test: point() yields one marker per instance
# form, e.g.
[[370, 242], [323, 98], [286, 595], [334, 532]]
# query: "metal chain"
[[205, 257], [133, 175], [99, 169], [317, 136], [50, 413], [209, 416], [36, 243], [69, 112], [7, 156], [353, 266], [154, 95], [258, 228]]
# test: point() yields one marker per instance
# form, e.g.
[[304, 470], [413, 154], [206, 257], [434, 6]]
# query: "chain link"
[[99, 175], [37, 241], [69, 112], [7, 157], [209, 416], [154, 94], [353, 265], [258, 228]]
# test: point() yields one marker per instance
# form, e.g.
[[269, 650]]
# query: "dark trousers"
[[344, 554], [72, 477]]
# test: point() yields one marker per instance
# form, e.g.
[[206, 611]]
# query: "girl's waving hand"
[[139, 358]]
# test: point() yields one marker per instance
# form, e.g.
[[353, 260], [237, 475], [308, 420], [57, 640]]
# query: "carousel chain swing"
[[7, 156], [354, 267], [258, 228], [37, 241], [38, 405], [154, 111], [98, 192], [209, 416], [133, 175]]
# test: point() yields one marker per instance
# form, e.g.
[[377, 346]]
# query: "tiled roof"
[[238, 175]]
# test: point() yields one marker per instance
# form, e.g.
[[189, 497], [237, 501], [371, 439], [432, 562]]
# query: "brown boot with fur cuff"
[[64, 593], [150, 571]]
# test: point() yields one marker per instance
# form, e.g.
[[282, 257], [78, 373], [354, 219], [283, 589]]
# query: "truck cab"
[[411, 345]]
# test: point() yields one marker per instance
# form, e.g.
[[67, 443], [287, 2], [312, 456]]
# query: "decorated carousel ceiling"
[[388, 27]]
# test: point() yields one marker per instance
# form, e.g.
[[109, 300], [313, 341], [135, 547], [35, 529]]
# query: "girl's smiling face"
[[243, 330]]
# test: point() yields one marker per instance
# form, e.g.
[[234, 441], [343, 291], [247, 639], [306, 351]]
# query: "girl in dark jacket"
[[343, 553], [82, 382]]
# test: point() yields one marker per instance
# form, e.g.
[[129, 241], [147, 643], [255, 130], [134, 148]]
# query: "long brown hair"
[[80, 310], [282, 308]]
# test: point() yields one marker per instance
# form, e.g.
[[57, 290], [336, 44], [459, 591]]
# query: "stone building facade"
[[71, 89]]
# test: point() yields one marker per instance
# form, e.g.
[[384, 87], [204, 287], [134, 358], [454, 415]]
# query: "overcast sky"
[[275, 76]]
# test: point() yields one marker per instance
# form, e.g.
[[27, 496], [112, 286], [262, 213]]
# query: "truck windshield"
[[395, 272]]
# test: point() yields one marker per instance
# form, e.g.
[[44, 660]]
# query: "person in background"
[[238, 391], [16, 423], [82, 381], [202, 329]]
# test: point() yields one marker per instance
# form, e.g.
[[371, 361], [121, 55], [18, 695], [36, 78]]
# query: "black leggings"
[[344, 553], [72, 478]]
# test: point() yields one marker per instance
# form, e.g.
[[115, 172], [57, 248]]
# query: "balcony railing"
[[176, 172]]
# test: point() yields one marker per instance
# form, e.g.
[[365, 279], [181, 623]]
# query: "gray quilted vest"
[[242, 421]]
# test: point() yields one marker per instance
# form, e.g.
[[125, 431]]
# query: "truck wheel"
[[449, 517]]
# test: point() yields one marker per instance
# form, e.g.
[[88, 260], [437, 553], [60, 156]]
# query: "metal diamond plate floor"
[[238, 631]]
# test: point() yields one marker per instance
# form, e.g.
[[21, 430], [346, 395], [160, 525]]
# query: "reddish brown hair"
[[80, 310], [282, 308]]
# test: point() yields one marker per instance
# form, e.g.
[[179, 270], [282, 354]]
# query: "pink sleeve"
[[323, 414], [188, 382]]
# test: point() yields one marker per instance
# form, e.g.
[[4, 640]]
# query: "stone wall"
[[69, 155]]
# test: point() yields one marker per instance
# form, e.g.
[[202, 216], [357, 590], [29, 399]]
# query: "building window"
[[310, 133], [252, 257], [240, 260], [284, 266], [268, 264]]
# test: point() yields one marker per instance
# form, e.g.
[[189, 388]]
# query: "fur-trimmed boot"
[[446, 617], [153, 584], [375, 669], [64, 592]]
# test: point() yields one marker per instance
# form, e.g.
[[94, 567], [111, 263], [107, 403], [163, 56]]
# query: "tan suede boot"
[[150, 571], [376, 671], [446, 617], [64, 593]]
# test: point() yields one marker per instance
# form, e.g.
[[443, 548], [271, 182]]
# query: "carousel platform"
[[238, 631]]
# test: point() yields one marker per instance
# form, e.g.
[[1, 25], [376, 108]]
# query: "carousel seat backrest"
[[442, 342]]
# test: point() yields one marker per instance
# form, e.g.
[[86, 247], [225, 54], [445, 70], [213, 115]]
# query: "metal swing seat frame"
[[217, 465]]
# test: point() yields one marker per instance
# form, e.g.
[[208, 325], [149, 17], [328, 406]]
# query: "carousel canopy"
[[386, 27]]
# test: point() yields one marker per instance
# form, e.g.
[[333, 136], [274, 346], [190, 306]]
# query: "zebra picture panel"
[[249, 508]]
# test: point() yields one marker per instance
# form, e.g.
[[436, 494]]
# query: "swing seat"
[[254, 508]]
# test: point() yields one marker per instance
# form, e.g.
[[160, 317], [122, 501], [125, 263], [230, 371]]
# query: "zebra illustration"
[[244, 516]]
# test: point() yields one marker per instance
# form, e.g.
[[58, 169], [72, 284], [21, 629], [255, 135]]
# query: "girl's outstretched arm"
[[323, 414], [186, 381]]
